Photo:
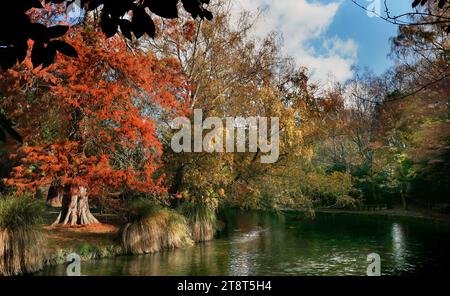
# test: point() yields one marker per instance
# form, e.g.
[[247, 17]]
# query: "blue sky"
[[330, 36], [371, 34]]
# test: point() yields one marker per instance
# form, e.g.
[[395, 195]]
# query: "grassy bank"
[[164, 229], [90, 242]]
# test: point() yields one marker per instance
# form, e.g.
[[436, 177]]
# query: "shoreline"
[[92, 242]]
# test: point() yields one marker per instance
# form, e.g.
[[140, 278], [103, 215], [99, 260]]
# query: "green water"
[[256, 243]]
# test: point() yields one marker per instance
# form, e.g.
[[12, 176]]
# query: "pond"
[[261, 243]]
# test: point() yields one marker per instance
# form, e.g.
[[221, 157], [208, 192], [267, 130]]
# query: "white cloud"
[[301, 22]]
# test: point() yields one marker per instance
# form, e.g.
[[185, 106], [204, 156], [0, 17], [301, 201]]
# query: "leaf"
[[64, 48], [7, 58], [142, 23], [416, 2], [56, 31], [166, 9], [208, 15], [49, 56], [20, 48], [192, 6], [126, 28], [26, 5], [38, 54], [109, 25], [38, 32]]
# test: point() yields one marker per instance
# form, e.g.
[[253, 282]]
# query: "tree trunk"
[[177, 185], [75, 208], [404, 202], [55, 196]]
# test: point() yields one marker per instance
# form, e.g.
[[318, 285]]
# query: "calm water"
[[269, 244]]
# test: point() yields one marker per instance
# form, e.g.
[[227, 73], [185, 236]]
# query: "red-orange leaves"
[[111, 96]]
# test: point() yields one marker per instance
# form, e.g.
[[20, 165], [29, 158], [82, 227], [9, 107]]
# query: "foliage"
[[251, 78], [20, 212], [333, 190], [105, 136]]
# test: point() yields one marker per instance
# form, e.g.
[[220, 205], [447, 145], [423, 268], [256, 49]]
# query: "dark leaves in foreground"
[[17, 28], [441, 4]]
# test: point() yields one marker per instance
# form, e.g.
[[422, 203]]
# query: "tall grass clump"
[[21, 240], [152, 228], [202, 219]]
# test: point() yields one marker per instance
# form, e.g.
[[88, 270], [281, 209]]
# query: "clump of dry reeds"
[[202, 220], [152, 228], [21, 241]]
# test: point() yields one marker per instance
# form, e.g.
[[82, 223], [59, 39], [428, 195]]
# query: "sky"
[[330, 36]]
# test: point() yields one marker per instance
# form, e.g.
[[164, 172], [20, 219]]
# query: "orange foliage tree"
[[108, 102]]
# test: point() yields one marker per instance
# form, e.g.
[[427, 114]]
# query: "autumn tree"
[[106, 139], [19, 25], [250, 78]]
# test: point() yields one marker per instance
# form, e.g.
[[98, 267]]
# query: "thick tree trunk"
[[42, 192], [75, 208], [55, 196]]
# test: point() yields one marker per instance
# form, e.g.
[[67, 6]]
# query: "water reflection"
[[240, 263], [398, 245], [242, 253]]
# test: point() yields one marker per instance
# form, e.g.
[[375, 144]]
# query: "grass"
[[20, 211], [91, 242], [21, 239]]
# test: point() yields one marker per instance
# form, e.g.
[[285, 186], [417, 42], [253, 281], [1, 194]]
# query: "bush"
[[152, 228], [20, 211], [21, 241]]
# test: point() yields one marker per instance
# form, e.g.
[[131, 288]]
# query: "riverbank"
[[418, 213], [91, 242]]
